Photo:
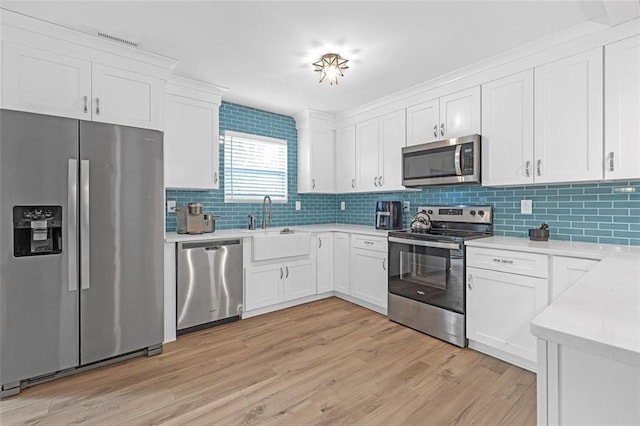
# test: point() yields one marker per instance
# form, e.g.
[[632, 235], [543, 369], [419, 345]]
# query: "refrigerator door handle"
[[84, 226], [72, 223]]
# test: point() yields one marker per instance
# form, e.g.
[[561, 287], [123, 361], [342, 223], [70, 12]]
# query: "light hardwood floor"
[[327, 362]]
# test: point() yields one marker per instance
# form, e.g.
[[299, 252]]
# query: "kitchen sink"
[[278, 243]]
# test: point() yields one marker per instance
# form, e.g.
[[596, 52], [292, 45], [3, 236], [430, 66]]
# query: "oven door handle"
[[422, 243]]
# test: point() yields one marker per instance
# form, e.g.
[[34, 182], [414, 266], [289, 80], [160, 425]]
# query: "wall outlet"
[[406, 206], [526, 206], [298, 205], [343, 205], [171, 206]]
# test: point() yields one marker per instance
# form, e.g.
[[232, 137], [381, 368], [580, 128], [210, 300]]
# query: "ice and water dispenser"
[[37, 230]]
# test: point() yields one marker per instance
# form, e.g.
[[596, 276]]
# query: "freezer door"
[[38, 294], [121, 240]]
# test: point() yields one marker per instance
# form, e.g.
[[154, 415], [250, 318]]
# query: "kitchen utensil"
[[539, 234], [421, 221]]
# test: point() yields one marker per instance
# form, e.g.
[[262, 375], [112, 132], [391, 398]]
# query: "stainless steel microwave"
[[448, 162]]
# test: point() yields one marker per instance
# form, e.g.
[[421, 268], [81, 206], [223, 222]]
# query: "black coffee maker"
[[389, 215]]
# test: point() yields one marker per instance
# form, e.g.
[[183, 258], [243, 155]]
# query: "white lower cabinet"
[[341, 266], [263, 286], [500, 307], [298, 279], [324, 262], [505, 291], [369, 270], [565, 271], [278, 282]]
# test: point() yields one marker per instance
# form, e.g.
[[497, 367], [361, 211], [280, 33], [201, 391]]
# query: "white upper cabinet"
[[392, 140], [379, 143], [622, 109], [507, 130], [43, 82], [49, 69], [316, 153], [127, 98], [568, 119], [460, 113], [191, 137], [346, 160], [423, 122], [450, 116], [367, 140]]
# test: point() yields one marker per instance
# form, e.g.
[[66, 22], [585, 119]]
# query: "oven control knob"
[[472, 212], [481, 212], [430, 211]]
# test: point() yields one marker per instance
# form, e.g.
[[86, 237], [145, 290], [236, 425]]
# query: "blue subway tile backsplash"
[[587, 212]]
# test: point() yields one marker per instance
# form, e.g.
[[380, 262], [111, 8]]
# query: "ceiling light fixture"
[[331, 66]]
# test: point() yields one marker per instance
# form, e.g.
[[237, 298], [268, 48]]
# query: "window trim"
[[230, 134]]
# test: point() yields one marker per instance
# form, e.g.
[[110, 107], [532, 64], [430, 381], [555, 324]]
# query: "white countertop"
[[173, 237], [601, 312]]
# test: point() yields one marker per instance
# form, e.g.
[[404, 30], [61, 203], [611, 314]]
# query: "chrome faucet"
[[264, 205]]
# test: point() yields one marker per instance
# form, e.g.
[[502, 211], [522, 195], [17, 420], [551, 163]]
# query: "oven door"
[[431, 272]]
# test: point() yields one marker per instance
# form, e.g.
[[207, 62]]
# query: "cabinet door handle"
[[313, 184], [470, 282], [435, 131], [384, 264], [281, 273], [538, 167], [97, 106], [442, 129], [527, 172], [86, 105], [287, 268], [375, 181], [319, 243], [215, 177], [611, 163], [380, 181], [369, 243], [505, 261], [353, 183]]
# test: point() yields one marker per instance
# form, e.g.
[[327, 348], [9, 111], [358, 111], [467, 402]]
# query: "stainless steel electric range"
[[427, 271]]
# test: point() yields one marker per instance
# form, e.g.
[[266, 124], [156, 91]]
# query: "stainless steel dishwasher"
[[209, 283]]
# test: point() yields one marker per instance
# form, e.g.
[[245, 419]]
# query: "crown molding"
[[195, 89]]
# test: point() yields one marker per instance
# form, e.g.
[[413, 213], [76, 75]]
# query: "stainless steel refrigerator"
[[81, 229]]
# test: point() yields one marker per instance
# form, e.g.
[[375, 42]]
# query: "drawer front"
[[514, 262], [369, 243]]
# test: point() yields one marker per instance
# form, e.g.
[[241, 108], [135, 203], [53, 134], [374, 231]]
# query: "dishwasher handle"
[[210, 245]]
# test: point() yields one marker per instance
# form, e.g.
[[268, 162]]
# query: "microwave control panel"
[[467, 159]]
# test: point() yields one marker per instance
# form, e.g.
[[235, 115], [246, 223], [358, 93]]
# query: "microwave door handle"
[[457, 159]]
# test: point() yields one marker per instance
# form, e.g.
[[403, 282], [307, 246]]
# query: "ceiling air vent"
[[118, 39]]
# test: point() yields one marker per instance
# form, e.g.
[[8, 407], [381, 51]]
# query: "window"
[[254, 166]]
